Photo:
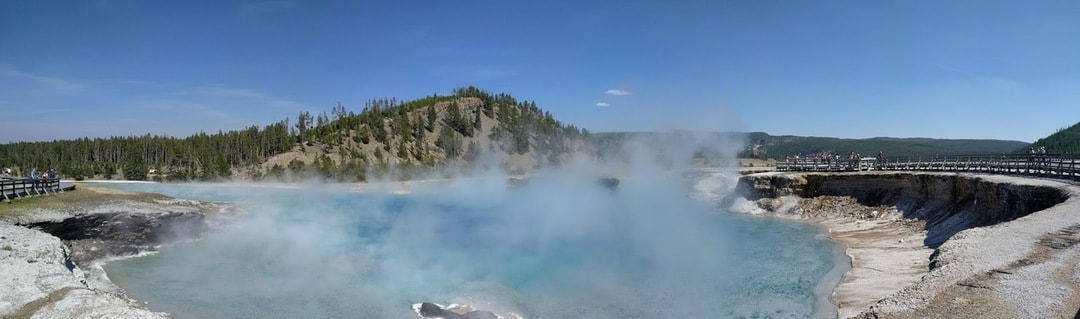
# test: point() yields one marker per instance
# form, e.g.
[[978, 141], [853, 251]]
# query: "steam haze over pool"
[[560, 246]]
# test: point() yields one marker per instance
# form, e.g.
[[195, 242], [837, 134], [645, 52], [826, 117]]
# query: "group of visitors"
[[1040, 152], [853, 159], [823, 157], [828, 157], [35, 174], [1037, 155]]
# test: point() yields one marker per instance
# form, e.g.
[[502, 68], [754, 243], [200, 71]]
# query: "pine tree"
[[135, 167], [338, 111], [431, 116], [457, 121], [489, 109], [303, 123], [418, 149], [402, 152], [449, 141]]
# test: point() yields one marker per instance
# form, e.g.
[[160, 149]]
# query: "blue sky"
[[856, 69]]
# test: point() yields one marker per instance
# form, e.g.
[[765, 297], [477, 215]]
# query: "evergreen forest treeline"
[[387, 134], [1064, 141], [763, 145]]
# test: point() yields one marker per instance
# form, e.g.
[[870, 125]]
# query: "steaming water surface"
[[549, 249]]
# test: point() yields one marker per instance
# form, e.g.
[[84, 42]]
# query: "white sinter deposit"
[[38, 280], [940, 245]]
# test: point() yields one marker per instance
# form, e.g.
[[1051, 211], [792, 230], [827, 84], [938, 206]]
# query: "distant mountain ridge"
[[761, 144], [764, 145]]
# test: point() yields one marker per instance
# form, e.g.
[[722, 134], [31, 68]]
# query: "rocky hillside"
[[469, 129], [948, 204], [385, 138]]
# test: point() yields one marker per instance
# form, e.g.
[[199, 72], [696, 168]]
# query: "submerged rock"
[[432, 311], [609, 182]]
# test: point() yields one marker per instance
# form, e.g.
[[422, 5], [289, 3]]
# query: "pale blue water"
[[551, 249]]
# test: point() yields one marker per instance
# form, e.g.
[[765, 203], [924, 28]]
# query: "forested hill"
[[1064, 141], [386, 136], [764, 145]]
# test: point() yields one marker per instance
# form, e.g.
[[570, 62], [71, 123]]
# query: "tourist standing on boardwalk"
[[52, 173], [34, 173]]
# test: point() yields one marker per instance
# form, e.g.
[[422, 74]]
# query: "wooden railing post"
[[1058, 165]]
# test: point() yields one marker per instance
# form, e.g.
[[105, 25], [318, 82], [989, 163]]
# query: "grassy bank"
[[83, 195]]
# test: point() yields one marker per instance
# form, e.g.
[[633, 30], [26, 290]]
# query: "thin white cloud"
[[616, 92], [53, 82], [602, 104], [208, 109], [231, 98], [129, 82], [257, 97]]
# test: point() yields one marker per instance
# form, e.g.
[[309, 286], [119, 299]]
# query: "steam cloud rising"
[[559, 246]]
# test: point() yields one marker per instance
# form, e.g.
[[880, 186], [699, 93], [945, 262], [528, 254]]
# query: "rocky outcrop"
[[116, 234], [947, 203], [50, 259], [1002, 247], [433, 311], [41, 281]]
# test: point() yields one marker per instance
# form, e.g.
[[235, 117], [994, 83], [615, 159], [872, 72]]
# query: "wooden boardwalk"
[[14, 188], [1043, 165]]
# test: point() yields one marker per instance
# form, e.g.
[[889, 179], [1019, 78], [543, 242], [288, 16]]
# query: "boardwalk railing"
[[12, 188], [1049, 165]]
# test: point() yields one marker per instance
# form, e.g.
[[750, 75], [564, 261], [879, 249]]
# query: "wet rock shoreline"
[[94, 237], [937, 244], [50, 259]]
